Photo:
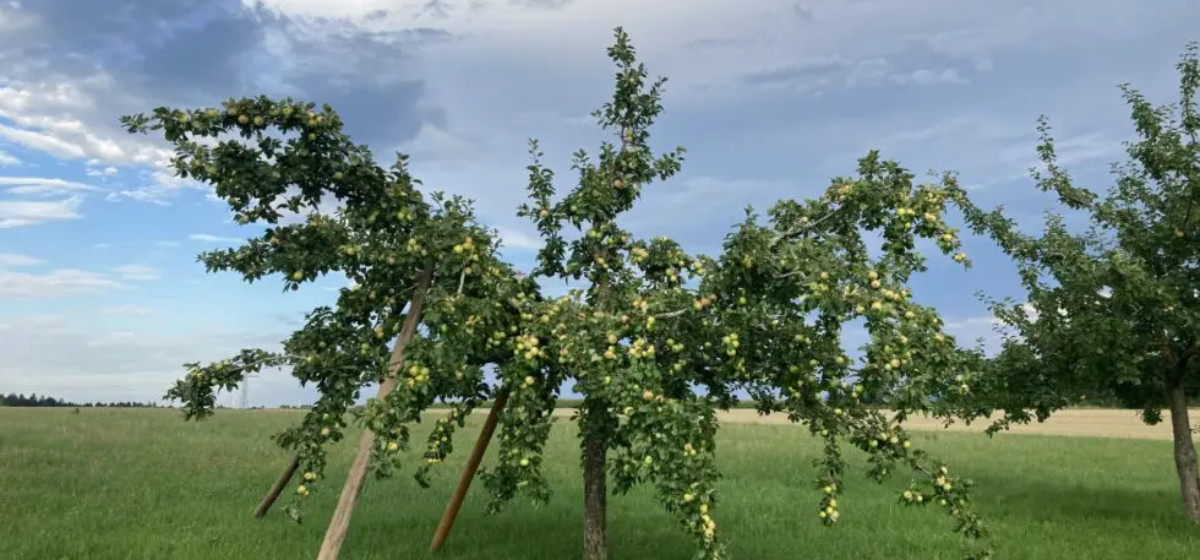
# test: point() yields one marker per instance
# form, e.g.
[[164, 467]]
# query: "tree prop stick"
[[280, 484], [340, 523], [468, 474]]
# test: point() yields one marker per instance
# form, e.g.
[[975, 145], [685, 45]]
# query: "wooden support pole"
[[339, 525], [280, 484], [468, 474]]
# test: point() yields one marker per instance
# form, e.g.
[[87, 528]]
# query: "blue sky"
[[100, 294]]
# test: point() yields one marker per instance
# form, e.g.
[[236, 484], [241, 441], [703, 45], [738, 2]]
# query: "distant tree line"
[[14, 399]]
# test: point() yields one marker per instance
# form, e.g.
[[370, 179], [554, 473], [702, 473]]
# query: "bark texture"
[[1185, 451], [595, 498]]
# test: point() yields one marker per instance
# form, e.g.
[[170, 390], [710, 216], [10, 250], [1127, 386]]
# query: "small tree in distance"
[[656, 341], [1114, 310]]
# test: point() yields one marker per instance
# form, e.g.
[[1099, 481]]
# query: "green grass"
[[143, 484]]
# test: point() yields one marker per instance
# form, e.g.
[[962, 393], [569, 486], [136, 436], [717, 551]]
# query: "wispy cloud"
[[210, 238], [57, 283], [127, 311], [43, 186], [16, 213], [138, 272], [42, 142], [16, 259]]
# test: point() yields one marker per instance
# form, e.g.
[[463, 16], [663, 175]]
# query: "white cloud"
[[433, 142], [57, 116], [17, 259], [61, 282], [43, 186], [15, 213], [160, 188], [42, 142], [137, 273], [210, 238], [127, 311], [985, 330], [8, 159], [516, 239], [930, 77], [123, 364], [13, 20]]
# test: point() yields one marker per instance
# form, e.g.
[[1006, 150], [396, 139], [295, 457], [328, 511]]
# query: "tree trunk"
[[1185, 450], [595, 497]]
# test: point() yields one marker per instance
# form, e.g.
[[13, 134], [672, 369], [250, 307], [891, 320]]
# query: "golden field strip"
[[1083, 422]]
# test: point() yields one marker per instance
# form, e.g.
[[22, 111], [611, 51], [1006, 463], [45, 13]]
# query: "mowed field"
[[143, 484]]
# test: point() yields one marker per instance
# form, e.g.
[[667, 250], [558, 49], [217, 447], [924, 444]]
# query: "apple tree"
[[657, 340], [276, 163], [1113, 310]]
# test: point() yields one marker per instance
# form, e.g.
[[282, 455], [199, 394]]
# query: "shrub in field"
[[1113, 311], [654, 339]]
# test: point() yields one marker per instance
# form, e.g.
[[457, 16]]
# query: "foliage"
[[638, 341], [275, 163], [1114, 308], [656, 340], [1113, 311]]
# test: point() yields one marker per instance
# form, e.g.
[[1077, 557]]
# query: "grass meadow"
[[143, 484]]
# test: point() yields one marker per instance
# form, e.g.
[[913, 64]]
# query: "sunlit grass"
[[143, 484]]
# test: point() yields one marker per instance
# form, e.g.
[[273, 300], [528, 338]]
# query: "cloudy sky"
[[100, 294]]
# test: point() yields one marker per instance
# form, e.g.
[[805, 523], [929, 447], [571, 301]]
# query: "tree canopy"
[[1113, 310]]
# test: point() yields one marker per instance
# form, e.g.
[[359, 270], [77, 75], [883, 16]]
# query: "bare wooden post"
[[468, 474], [280, 484], [340, 523]]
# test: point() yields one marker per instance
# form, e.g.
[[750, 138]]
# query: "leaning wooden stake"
[[340, 523], [280, 484], [468, 474]]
